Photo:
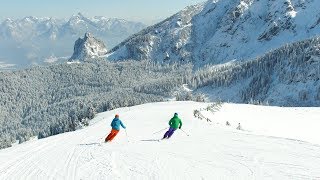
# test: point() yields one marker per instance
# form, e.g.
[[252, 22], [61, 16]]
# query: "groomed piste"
[[273, 143]]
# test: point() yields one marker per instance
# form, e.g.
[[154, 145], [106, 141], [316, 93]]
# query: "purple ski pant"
[[169, 133]]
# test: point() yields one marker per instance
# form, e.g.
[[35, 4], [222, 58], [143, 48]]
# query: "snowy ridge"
[[222, 30], [210, 152], [88, 47]]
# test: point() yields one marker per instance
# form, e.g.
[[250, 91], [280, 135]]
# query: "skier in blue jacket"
[[115, 124]]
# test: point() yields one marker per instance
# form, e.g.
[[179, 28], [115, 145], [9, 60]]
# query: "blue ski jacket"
[[115, 124]]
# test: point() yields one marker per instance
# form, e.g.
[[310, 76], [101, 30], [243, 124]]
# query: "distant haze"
[[146, 11]]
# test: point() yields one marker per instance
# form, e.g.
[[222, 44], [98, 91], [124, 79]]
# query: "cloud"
[[53, 59]]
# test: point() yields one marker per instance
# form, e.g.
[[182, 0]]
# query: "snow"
[[73, 62], [287, 122], [292, 14], [186, 88], [218, 31], [212, 151]]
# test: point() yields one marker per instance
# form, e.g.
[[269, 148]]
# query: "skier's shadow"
[[89, 144], [150, 140]]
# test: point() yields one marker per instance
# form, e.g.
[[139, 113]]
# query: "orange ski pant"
[[112, 134]]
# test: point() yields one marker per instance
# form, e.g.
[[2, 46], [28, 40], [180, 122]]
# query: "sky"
[[140, 10]]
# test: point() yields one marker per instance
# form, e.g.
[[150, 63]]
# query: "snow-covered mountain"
[[287, 76], [28, 28], [267, 147], [88, 47], [218, 31], [33, 40]]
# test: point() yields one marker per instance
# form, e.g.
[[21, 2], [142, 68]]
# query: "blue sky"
[[142, 10]]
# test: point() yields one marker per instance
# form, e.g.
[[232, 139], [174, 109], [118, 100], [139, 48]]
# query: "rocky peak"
[[88, 47]]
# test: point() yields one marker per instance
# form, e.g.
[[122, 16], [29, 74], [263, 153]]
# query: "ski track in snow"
[[210, 152]]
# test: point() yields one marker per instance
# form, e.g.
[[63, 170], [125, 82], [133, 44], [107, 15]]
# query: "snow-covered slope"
[[222, 30], [212, 151], [32, 40], [88, 47]]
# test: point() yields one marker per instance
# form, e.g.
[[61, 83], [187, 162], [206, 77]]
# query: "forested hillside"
[[45, 101], [288, 76]]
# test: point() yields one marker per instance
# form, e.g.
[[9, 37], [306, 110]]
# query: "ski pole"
[[160, 130], [184, 132]]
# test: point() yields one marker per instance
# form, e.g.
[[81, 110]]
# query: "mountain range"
[[33, 40]]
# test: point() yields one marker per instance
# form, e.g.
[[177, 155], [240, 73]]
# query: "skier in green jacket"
[[174, 124]]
